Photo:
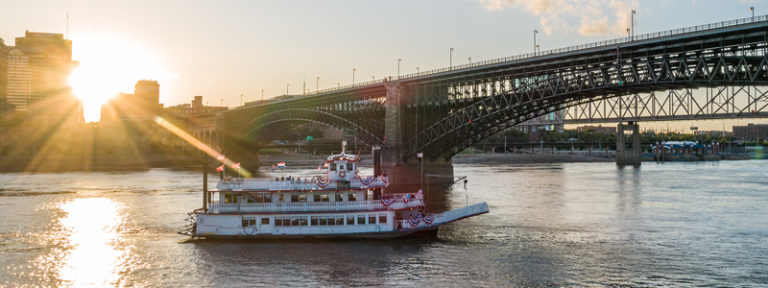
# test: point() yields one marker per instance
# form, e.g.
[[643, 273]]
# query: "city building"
[[751, 132], [597, 129], [195, 108], [38, 70], [142, 105], [3, 79]]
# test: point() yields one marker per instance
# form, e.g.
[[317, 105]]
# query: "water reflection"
[[92, 225]]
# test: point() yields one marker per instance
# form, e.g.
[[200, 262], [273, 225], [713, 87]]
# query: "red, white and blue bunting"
[[387, 202], [322, 184], [429, 219], [405, 200], [414, 222], [367, 180], [386, 180]]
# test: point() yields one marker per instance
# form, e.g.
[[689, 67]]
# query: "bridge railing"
[[612, 42]]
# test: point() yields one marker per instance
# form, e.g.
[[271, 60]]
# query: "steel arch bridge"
[[444, 111]]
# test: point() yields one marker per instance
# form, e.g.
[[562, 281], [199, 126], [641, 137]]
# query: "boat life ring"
[[342, 174]]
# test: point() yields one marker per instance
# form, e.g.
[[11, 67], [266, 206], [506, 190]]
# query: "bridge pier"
[[624, 156], [406, 174]]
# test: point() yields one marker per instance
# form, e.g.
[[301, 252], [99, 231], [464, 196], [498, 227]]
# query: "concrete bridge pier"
[[624, 156], [406, 174]]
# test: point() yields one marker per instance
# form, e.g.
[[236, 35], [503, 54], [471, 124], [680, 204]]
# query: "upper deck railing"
[[288, 207], [660, 34], [266, 184]]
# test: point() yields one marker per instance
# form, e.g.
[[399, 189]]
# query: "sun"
[[109, 65]]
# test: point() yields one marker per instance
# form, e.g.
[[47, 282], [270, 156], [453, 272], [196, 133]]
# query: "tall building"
[[39, 66], [3, 79], [142, 105], [751, 132]]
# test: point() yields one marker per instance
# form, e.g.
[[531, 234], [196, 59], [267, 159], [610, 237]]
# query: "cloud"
[[595, 17]]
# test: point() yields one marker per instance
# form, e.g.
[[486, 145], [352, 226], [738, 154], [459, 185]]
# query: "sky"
[[224, 49]]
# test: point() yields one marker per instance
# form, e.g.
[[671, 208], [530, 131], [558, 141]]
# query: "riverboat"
[[340, 204]]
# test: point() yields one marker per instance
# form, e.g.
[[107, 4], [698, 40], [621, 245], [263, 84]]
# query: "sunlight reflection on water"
[[92, 224]]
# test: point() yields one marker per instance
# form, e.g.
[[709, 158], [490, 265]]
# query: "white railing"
[[263, 184], [216, 207]]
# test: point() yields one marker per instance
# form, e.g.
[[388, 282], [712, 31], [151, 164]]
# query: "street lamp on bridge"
[[398, 67], [286, 88], [535, 32], [262, 94], [753, 13], [353, 77], [633, 25], [450, 62], [317, 88], [417, 70], [628, 35], [470, 60]]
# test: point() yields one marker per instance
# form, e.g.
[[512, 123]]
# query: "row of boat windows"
[[338, 220], [266, 198]]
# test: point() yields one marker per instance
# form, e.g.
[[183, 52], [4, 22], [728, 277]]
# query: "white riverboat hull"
[[230, 226]]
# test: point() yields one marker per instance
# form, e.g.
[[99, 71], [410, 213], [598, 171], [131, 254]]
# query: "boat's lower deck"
[[358, 224]]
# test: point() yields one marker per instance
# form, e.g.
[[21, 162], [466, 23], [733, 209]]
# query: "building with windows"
[[195, 108], [142, 105], [597, 129], [751, 132], [38, 70], [3, 79]]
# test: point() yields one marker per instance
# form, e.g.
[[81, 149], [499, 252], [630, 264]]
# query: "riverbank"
[[528, 158]]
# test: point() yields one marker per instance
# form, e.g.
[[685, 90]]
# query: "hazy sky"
[[222, 49]]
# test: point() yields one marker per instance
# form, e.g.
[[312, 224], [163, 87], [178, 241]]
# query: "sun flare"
[[109, 65]]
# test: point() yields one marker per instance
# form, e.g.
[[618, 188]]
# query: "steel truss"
[[675, 105], [578, 85]]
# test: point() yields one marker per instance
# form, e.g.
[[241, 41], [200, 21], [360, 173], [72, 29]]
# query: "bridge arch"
[[579, 85], [273, 118]]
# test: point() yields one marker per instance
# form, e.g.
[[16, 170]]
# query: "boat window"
[[281, 198], [249, 200], [350, 167], [294, 198], [263, 198], [294, 221], [360, 219], [264, 221], [278, 221], [322, 221], [339, 197], [302, 198], [230, 198], [249, 222], [314, 221], [341, 167], [333, 166], [382, 218], [303, 221], [371, 218], [331, 221], [325, 198], [352, 196], [350, 219], [340, 220], [316, 198]]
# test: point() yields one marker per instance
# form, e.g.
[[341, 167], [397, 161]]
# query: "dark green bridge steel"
[[444, 111]]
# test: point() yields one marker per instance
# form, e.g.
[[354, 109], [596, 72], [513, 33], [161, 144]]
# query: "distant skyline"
[[221, 50]]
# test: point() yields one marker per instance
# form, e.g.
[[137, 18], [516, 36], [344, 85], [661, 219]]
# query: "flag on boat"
[[236, 165], [221, 157], [281, 164], [220, 168], [319, 169]]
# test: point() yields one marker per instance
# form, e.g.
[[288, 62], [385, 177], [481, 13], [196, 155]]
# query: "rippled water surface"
[[591, 224]]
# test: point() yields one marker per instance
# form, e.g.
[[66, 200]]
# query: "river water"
[[581, 224]]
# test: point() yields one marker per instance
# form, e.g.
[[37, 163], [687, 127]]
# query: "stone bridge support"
[[406, 174], [624, 156]]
